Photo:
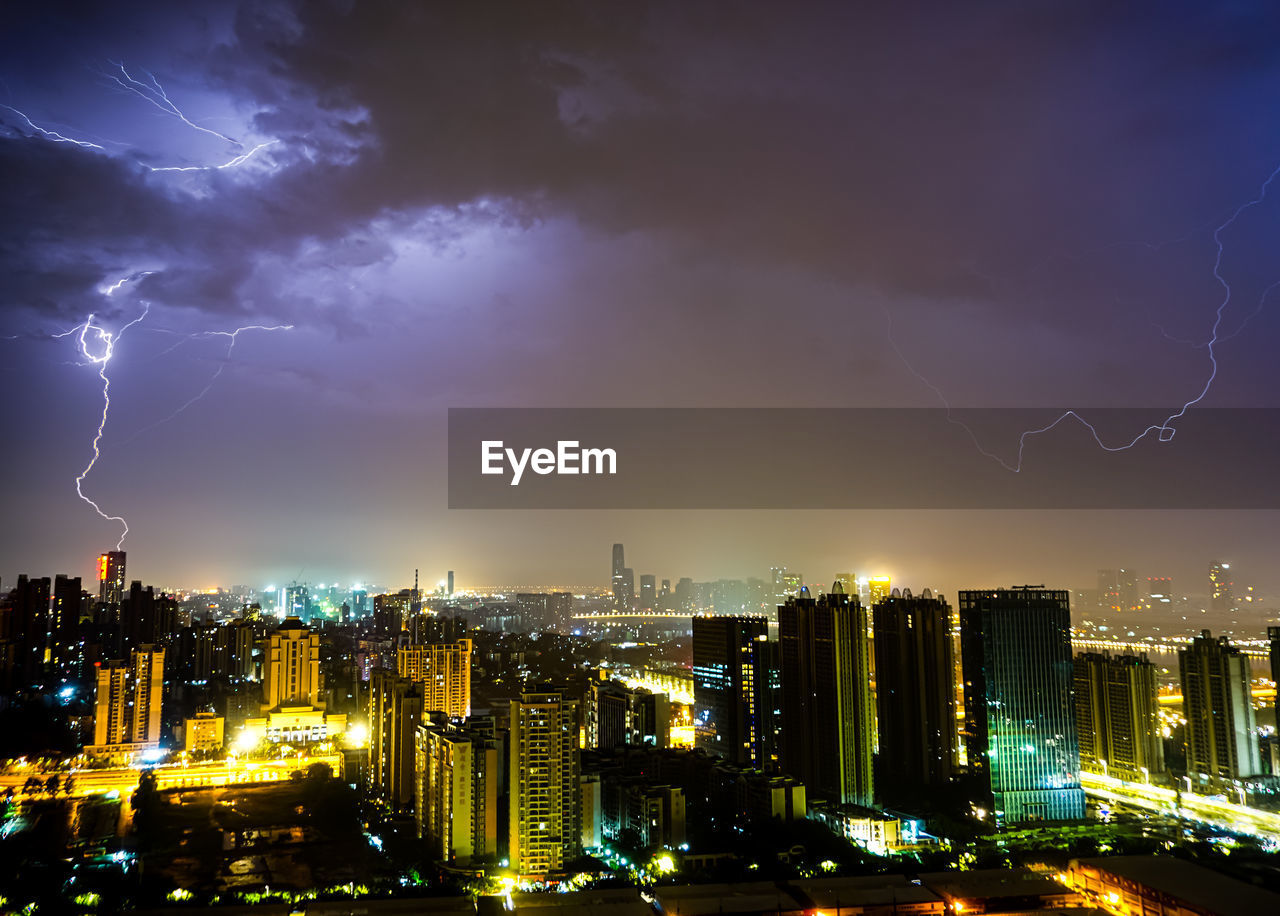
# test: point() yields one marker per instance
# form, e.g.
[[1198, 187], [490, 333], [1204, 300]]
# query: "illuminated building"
[[878, 589], [204, 732], [731, 688], [291, 667], [616, 714], [915, 692], [443, 672], [785, 584], [1015, 647], [395, 712], [1117, 716], [616, 580], [828, 726], [545, 810], [293, 708], [648, 592], [1222, 737], [1220, 587], [64, 628], [1159, 592], [449, 585], [545, 608], [391, 612], [457, 781], [127, 703], [1118, 591], [111, 579], [28, 629], [1273, 654]]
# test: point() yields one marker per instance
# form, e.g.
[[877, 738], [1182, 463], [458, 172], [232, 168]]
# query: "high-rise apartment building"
[[732, 705], [458, 780], [1118, 591], [828, 728], [878, 589], [1221, 588], [545, 810], [28, 632], [915, 693], [64, 628], [1273, 654], [443, 672], [395, 712], [128, 702], [111, 581], [291, 667], [615, 714], [1117, 715], [1015, 647], [1222, 737], [648, 592]]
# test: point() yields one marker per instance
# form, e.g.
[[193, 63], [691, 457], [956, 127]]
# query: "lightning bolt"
[[107, 341], [154, 94], [229, 164], [1164, 430], [52, 135], [226, 359]]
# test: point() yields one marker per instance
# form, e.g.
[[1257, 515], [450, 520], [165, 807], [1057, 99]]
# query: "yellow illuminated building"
[[443, 673], [127, 704]]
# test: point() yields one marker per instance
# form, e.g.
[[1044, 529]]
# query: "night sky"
[[546, 204]]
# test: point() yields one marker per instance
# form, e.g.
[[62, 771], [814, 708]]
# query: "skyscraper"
[[648, 592], [1220, 587], [443, 671], [1015, 647], [1222, 738], [1273, 655], [915, 692], [111, 581], [827, 721], [128, 702], [291, 667], [1118, 591], [458, 773], [395, 712], [29, 630], [878, 589], [731, 709], [545, 811], [616, 579], [64, 629], [1116, 715]]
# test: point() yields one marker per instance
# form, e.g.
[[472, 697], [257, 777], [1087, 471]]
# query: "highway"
[[1224, 815], [85, 782]]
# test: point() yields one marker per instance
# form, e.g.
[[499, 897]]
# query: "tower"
[[443, 671], [291, 667], [827, 721], [545, 811], [731, 679], [915, 692], [1015, 647], [1117, 715], [111, 581], [1221, 597], [128, 702], [1222, 738], [616, 578]]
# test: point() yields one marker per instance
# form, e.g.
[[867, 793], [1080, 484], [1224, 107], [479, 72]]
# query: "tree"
[[51, 784]]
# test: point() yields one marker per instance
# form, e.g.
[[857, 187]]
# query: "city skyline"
[[309, 311]]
